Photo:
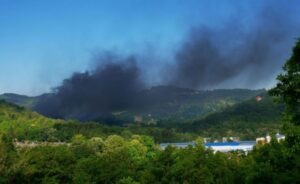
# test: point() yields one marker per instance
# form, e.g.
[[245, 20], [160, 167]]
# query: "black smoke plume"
[[89, 95], [239, 51]]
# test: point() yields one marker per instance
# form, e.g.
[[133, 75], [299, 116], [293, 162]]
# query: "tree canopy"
[[288, 86]]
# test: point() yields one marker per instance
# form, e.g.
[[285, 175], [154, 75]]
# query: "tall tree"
[[288, 90], [288, 86]]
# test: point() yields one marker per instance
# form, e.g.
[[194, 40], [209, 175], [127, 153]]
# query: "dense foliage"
[[287, 90], [247, 120], [288, 87], [23, 125], [139, 160]]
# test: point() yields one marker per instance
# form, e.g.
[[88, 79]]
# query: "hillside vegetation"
[[23, 123], [164, 102], [161, 103], [247, 120], [21, 100], [181, 116]]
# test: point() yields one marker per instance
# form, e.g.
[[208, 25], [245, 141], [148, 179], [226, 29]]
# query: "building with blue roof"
[[217, 146]]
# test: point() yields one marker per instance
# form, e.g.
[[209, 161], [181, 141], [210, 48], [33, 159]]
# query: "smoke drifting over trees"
[[108, 88], [207, 58]]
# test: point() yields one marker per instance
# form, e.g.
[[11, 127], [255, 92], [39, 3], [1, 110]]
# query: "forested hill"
[[21, 122], [248, 119], [214, 113], [163, 102], [168, 101], [21, 100]]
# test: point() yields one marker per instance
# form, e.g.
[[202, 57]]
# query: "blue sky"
[[43, 42]]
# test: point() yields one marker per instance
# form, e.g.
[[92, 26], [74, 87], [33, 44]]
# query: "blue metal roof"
[[230, 143], [222, 144], [210, 144]]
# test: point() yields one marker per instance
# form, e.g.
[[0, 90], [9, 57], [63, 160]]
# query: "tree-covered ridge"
[[161, 102], [165, 101], [21, 100], [22, 123], [248, 119]]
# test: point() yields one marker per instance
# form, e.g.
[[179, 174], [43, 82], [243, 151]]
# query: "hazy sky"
[[43, 42]]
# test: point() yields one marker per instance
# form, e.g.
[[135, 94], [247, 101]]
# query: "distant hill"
[[163, 102], [21, 100], [173, 104], [250, 118], [224, 113]]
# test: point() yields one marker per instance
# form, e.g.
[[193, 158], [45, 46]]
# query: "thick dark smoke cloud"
[[237, 51], [110, 87], [243, 49]]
